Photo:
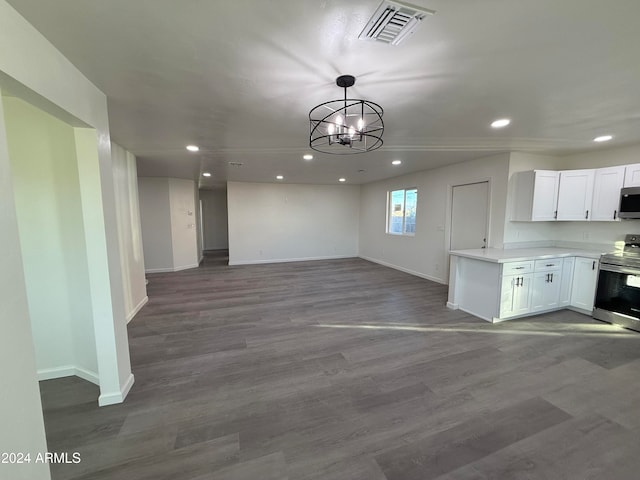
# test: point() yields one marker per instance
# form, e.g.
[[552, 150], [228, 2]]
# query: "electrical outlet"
[[437, 268]]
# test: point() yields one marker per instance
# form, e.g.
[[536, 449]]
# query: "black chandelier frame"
[[331, 130]]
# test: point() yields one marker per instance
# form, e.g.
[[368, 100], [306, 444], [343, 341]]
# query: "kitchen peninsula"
[[496, 285]]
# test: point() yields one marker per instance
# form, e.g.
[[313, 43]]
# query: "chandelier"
[[343, 127]]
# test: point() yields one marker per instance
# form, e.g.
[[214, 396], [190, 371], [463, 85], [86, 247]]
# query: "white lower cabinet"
[[566, 281], [515, 295], [484, 285], [585, 279], [546, 290], [536, 286]]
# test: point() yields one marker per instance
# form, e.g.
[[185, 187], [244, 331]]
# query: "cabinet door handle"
[[551, 278], [593, 267], [615, 214], [555, 214], [586, 215], [518, 268], [549, 265], [547, 280]]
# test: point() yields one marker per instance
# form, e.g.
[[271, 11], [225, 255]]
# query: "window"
[[401, 211]]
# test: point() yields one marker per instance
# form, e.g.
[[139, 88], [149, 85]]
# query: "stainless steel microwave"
[[629, 203]]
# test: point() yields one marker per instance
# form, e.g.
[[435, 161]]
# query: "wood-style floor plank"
[[345, 369]]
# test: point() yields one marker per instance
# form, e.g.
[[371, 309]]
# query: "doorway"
[[469, 216]]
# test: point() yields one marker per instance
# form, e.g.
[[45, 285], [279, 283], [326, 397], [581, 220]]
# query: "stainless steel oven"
[[618, 292]]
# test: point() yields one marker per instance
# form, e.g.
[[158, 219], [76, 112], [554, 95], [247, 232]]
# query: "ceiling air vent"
[[394, 22]]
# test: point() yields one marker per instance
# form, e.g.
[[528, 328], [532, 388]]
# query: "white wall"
[[215, 219], [34, 70], [125, 182], [289, 222], [169, 223], [155, 220], [48, 207], [20, 408], [426, 253]]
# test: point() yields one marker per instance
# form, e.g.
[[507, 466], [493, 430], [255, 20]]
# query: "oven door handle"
[[618, 269]]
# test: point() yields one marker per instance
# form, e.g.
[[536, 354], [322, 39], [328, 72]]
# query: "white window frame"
[[404, 204]]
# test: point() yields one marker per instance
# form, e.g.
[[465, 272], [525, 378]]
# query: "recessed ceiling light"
[[279, 177], [206, 174], [396, 162], [603, 138], [342, 179], [500, 123], [308, 156], [193, 148]]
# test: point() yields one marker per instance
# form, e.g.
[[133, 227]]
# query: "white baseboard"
[[68, 371], [186, 267], [137, 308], [58, 372], [500, 320], [405, 270], [158, 270], [170, 270], [88, 375], [116, 397], [481, 317], [452, 306], [285, 260]]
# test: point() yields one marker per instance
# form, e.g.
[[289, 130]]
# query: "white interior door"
[[469, 214]]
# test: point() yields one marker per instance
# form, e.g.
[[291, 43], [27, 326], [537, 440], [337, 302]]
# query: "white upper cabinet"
[[606, 193], [575, 194], [536, 196], [632, 175]]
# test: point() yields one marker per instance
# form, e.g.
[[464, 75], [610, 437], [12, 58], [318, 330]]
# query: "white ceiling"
[[238, 78]]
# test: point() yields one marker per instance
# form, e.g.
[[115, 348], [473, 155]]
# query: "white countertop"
[[497, 255]]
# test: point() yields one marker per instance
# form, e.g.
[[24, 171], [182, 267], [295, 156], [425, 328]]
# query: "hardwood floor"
[[347, 370]]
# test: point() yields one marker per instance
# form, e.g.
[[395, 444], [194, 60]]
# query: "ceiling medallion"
[[347, 126]]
